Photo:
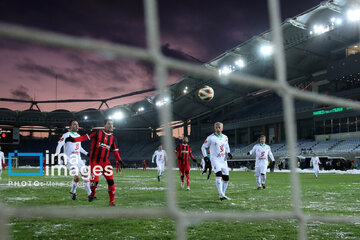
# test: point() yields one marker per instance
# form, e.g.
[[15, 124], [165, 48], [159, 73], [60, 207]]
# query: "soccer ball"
[[206, 93]]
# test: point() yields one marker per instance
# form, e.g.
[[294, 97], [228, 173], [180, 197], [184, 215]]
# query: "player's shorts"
[[161, 167], [77, 166], [316, 168], [220, 166], [260, 167], [184, 167], [103, 168]]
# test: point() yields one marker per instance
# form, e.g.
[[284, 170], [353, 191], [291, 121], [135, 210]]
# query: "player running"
[[315, 162], [219, 148], [73, 159], [160, 158], [183, 152], [102, 141], [262, 152], [2, 162]]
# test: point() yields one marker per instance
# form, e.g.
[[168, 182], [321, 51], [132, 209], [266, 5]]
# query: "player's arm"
[[84, 152], [61, 143], [177, 151], [153, 157], [251, 151], [271, 155], [115, 149], [227, 150], [82, 138], [205, 146], [3, 159], [191, 155]]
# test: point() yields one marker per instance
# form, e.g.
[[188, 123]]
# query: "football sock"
[[258, 181], [219, 185], [93, 187], [182, 178], [225, 184], [111, 190], [73, 186], [188, 179], [87, 186], [263, 179]]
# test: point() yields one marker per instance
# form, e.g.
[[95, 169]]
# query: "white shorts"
[[260, 168], [77, 166], [161, 167], [316, 168], [220, 166]]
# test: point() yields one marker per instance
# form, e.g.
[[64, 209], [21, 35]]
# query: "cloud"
[[178, 54], [114, 89], [20, 92], [31, 67]]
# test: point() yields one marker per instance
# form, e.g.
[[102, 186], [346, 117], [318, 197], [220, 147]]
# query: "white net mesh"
[[162, 66]]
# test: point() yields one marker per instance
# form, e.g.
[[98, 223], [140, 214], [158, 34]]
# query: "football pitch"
[[330, 195]]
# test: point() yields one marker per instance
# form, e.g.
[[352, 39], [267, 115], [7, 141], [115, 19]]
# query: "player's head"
[[262, 139], [74, 126], [218, 126], [185, 140], [109, 125], [314, 153], [160, 147]]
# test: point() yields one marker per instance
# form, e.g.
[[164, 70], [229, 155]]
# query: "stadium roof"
[[312, 40]]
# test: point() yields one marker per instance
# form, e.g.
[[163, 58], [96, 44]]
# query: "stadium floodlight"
[[320, 29], [353, 15], [141, 109], [186, 89], [162, 102], [118, 115], [85, 117], [225, 70], [240, 63], [336, 21], [266, 50]]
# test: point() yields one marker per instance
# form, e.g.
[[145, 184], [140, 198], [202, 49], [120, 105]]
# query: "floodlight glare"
[[118, 115], [162, 102], [225, 70], [353, 15], [266, 50], [85, 117], [141, 109], [240, 63], [338, 21], [320, 29]]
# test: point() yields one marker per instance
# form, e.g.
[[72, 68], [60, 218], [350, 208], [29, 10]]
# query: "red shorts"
[[97, 169], [183, 167]]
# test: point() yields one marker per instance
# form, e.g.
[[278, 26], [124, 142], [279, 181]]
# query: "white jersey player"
[[73, 159], [315, 162], [160, 158], [2, 161], [262, 152], [219, 149]]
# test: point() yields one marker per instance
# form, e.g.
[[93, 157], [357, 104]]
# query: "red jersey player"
[[183, 152], [144, 165], [102, 140]]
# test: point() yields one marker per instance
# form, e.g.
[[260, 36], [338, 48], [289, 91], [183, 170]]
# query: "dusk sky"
[[191, 30]]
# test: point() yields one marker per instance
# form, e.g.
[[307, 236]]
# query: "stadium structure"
[[322, 51]]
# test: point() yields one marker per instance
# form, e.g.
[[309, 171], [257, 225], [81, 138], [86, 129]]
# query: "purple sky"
[[190, 30]]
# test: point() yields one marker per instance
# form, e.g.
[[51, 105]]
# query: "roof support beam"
[[296, 23]]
